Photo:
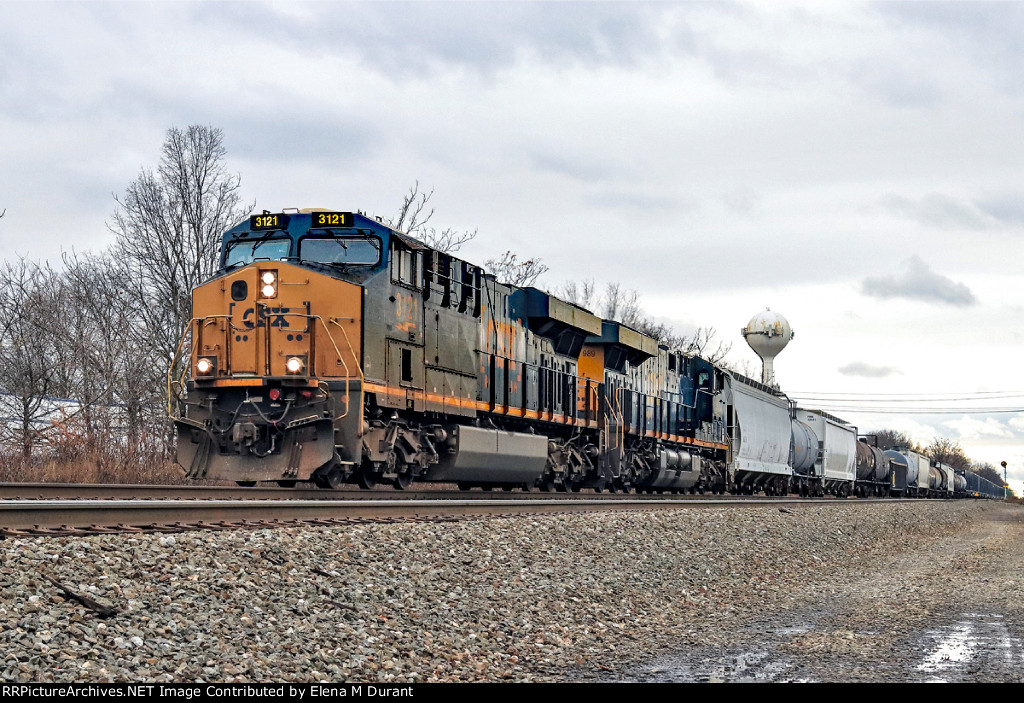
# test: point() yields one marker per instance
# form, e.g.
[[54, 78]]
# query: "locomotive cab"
[[274, 376]]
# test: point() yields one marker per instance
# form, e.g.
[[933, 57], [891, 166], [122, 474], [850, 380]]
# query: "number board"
[[332, 219], [260, 223]]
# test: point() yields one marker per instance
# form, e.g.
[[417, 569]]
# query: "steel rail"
[[39, 516], [55, 491]]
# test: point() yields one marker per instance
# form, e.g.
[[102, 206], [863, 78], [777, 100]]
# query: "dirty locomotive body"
[[331, 348]]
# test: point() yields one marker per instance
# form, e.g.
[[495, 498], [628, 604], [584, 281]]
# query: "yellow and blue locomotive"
[[331, 348]]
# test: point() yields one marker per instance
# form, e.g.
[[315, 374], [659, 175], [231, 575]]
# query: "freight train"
[[330, 348]]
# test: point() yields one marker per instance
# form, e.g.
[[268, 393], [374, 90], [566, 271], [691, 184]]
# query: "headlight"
[[206, 365], [295, 365], [268, 284]]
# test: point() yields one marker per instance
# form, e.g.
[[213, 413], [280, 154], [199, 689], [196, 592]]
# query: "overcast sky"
[[857, 167]]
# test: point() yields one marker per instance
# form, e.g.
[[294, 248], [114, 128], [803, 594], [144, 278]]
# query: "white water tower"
[[767, 333]]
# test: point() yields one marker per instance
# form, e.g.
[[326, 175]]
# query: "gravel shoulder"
[[834, 592]]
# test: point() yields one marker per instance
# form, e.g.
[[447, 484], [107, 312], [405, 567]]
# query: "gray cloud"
[[988, 32], [343, 139], [416, 38], [938, 210], [582, 168], [1006, 209], [742, 200], [896, 87], [859, 368], [918, 282], [632, 204]]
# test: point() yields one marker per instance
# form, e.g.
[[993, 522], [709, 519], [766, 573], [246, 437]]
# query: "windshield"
[[340, 250], [247, 252]]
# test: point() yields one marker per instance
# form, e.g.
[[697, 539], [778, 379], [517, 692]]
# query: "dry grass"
[[101, 459], [91, 467]]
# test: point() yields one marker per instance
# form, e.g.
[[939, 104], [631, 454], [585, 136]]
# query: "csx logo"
[[268, 317]]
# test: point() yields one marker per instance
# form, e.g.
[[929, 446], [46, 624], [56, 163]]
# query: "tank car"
[[941, 481], [913, 474], [834, 471], [873, 468]]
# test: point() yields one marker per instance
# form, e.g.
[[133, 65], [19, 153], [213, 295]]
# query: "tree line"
[[86, 346]]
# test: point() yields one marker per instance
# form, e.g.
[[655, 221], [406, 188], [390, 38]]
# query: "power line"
[[923, 396], [915, 411], [963, 403]]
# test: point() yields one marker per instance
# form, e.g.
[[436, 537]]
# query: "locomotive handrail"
[[355, 360], [205, 320], [619, 416], [174, 360], [363, 379], [177, 353]]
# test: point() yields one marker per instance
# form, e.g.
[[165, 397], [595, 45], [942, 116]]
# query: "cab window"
[[406, 267], [340, 250], [264, 249]]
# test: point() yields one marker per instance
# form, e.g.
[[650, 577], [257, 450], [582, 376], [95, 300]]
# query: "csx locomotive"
[[334, 349]]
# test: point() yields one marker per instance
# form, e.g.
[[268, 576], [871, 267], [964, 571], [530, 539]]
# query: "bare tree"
[[582, 293], [414, 216], [623, 305], [515, 271], [30, 333], [118, 379], [703, 344], [987, 471], [888, 439], [743, 367], [168, 225], [947, 451]]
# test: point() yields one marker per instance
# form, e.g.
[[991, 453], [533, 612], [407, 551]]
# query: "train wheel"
[[366, 477], [332, 479], [546, 485], [463, 486], [486, 488], [507, 488], [246, 484], [403, 481], [286, 484]]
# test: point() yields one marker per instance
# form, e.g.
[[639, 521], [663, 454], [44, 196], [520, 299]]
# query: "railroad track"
[[59, 516], [68, 491]]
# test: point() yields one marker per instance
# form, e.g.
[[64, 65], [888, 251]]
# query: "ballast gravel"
[[540, 598]]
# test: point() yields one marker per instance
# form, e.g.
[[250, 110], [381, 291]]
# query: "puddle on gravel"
[[976, 640], [751, 666], [974, 645], [762, 664]]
